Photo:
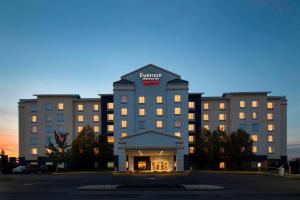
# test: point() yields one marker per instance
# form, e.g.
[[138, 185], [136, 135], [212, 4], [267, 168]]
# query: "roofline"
[[87, 99], [214, 98], [246, 93], [57, 95], [196, 93], [26, 100], [122, 77], [106, 94]]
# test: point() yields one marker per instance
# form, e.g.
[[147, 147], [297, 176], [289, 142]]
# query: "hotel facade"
[[151, 119]]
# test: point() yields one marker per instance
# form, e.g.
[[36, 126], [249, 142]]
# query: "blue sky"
[[83, 46]]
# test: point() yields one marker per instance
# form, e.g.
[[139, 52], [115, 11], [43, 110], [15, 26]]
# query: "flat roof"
[[246, 93], [57, 95]]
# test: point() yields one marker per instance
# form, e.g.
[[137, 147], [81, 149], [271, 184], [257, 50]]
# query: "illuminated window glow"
[[96, 107], [33, 118], [159, 111], [222, 106], [159, 124], [110, 106], [110, 128], [192, 105], [191, 127], [79, 128], [110, 139], [159, 99], [191, 116], [192, 150], [270, 127], [34, 151], [270, 149], [254, 149], [254, 115], [205, 117], [254, 138], [254, 104], [206, 106], [242, 104], [222, 117], [270, 138], [142, 99], [206, 127], [96, 118], [80, 118], [177, 98], [96, 129], [60, 106], [123, 134], [221, 127], [177, 111], [270, 116], [177, 134], [142, 112], [241, 115], [191, 138], [124, 123], [270, 105], [80, 107], [110, 117], [124, 111]]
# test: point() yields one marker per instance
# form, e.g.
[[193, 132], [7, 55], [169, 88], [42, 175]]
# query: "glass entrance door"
[[159, 166]]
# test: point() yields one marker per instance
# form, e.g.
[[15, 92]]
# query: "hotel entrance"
[[155, 161]]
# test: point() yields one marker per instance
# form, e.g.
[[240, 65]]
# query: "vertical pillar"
[[122, 158], [179, 160]]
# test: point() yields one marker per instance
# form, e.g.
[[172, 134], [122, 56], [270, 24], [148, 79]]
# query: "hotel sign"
[[150, 79]]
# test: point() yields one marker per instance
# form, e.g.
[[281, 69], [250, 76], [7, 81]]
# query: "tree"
[[84, 149], [217, 148], [57, 153], [200, 156], [105, 151], [240, 148]]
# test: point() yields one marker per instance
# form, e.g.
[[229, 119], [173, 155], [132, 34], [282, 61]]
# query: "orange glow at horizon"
[[9, 143]]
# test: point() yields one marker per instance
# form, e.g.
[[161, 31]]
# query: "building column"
[[179, 160], [122, 158]]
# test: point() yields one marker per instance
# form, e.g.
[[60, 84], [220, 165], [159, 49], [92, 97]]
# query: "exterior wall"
[[167, 90]]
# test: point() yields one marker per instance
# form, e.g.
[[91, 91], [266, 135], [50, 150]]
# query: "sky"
[[81, 47]]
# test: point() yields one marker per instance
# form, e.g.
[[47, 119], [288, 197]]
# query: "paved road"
[[237, 186]]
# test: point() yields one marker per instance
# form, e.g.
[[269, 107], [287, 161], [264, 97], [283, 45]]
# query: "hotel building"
[[151, 118]]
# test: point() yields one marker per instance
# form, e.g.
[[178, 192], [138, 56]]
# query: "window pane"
[[191, 104], [177, 110], [110, 106], [222, 106], [96, 107], [159, 111], [96, 118], [80, 107], [142, 112], [60, 106], [123, 111], [177, 98], [205, 106], [142, 99], [242, 104], [124, 99], [159, 124], [159, 99]]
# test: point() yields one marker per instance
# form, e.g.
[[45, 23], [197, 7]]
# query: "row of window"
[[270, 149], [242, 116], [242, 104], [59, 117], [80, 118], [255, 138], [142, 111], [60, 106], [159, 99]]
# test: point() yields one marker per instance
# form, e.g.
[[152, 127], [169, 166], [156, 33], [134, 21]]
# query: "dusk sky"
[[81, 47]]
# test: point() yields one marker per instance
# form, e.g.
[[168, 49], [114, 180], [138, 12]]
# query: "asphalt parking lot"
[[64, 186]]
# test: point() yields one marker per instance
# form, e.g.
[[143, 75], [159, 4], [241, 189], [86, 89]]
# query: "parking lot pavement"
[[63, 186]]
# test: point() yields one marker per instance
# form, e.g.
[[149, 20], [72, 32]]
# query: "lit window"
[[96, 129], [254, 138], [96, 118], [270, 138], [191, 116], [80, 118], [191, 104], [177, 111], [205, 117], [222, 106], [123, 111], [96, 107], [270, 116], [254, 104], [254, 149], [242, 115], [191, 127], [270, 149], [177, 123], [177, 98], [124, 123], [142, 99], [242, 104], [159, 124], [123, 134], [110, 128], [206, 127], [110, 117], [270, 127], [110, 139], [221, 117], [142, 112], [33, 129], [80, 107], [34, 151], [60, 106], [191, 149], [222, 165], [33, 118], [159, 99], [177, 134], [124, 99], [221, 127], [205, 106], [270, 105], [79, 128], [254, 115], [110, 106], [159, 111], [191, 138]]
